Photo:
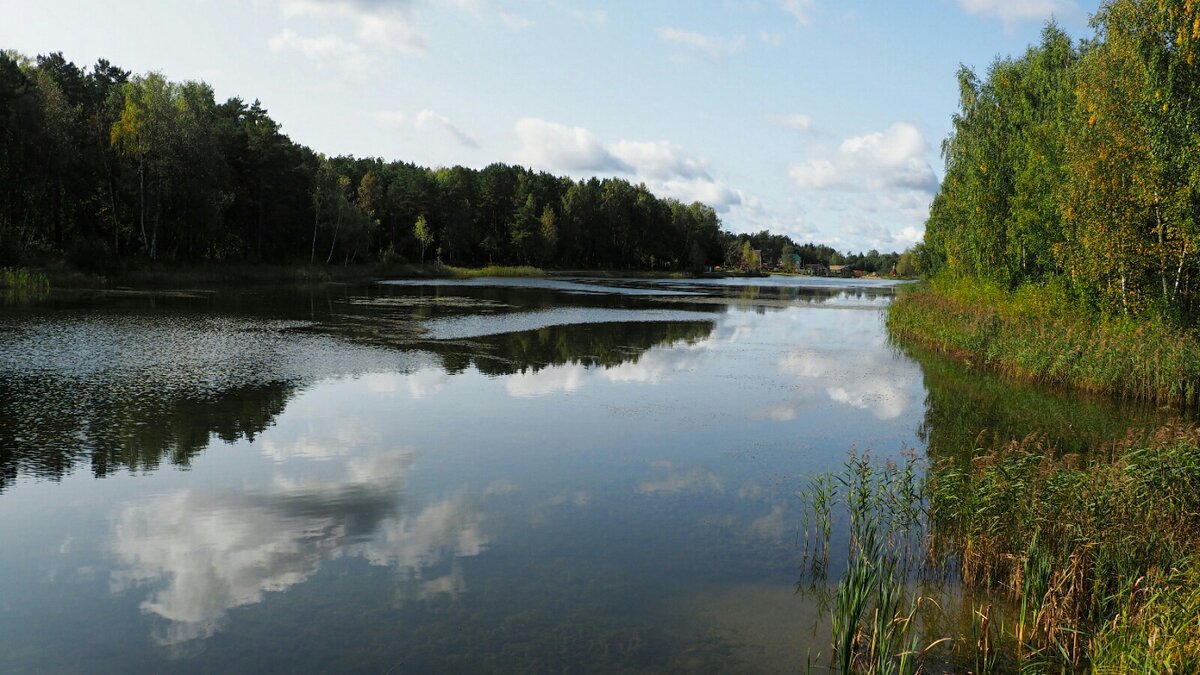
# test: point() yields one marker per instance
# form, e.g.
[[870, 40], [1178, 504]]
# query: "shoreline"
[[1033, 334]]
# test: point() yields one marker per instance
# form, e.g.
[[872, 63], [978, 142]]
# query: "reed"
[[873, 611], [1093, 553], [493, 271], [1084, 562], [20, 279]]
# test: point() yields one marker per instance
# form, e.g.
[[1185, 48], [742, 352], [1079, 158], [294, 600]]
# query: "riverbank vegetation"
[[1068, 221], [111, 172], [1038, 333], [1058, 561]]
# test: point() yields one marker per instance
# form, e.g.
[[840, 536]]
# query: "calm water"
[[493, 475]]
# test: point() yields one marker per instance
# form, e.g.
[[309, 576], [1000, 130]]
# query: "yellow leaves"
[[983, 168], [1092, 120]]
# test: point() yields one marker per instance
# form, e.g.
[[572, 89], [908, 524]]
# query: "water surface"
[[488, 475]]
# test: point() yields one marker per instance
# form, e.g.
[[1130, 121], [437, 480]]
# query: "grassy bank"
[[1037, 334], [1097, 557], [59, 275], [491, 271], [1059, 563], [20, 279]]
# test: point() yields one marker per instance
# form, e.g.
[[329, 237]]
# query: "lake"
[[520, 475]]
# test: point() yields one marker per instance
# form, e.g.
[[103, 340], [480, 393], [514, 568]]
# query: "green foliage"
[[1093, 552], [1087, 561], [1080, 163], [1037, 333], [873, 613], [493, 271], [21, 279]]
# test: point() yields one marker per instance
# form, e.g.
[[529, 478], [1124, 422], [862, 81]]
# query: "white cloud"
[[695, 479], [667, 169], [882, 160], [719, 196], [556, 146], [321, 48], [514, 21], [770, 38], [203, 554], [386, 25], [659, 159], [711, 46], [1013, 11], [882, 393], [563, 379], [427, 118], [800, 9], [391, 119], [795, 122]]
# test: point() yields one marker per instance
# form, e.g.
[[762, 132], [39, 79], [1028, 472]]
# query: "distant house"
[[841, 271], [816, 269]]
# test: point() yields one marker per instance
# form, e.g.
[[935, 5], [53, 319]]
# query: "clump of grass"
[[874, 615], [1082, 563], [21, 279], [1074, 544], [1037, 333], [1158, 632], [493, 271]]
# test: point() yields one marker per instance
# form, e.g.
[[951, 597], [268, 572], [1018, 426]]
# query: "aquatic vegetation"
[[493, 271], [873, 611], [1036, 334], [1087, 562], [22, 279]]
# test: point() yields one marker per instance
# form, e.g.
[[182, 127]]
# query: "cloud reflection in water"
[[208, 552]]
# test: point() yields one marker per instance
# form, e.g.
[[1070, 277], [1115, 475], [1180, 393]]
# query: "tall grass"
[[1081, 563], [1080, 547], [493, 271], [873, 612], [1038, 334], [21, 279]]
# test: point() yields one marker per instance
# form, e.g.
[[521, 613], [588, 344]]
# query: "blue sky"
[[815, 118]]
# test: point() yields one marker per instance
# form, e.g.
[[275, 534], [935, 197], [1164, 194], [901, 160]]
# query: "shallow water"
[[488, 475]]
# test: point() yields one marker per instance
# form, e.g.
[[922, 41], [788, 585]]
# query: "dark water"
[[494, 475]]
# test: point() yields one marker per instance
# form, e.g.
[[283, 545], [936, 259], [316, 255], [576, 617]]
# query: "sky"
[[819, 119]]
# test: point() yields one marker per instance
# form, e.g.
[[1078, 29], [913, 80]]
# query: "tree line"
[[1078, 164], [105, 168]]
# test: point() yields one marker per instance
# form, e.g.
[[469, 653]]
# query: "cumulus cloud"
[[711, 46], [666, 168], [875, 188], [553, 145], [893, 158], [428, 118], [659, 159], [1012, 11]]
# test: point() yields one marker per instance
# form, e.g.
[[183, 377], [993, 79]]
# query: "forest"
[[1076, 167], [105, 169]]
